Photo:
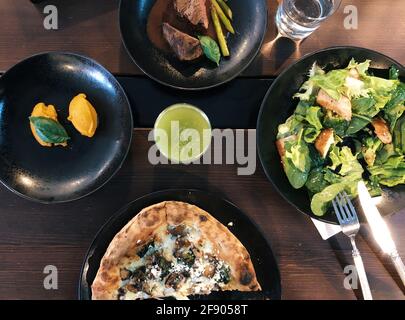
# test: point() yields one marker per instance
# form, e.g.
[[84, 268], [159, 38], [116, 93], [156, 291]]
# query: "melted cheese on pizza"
[[177, 262]]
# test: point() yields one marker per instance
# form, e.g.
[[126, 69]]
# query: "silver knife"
[[380, 230]]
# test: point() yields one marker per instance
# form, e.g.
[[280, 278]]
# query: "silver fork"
[[347, 216]]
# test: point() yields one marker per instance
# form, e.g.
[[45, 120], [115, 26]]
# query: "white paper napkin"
[[326, 230]]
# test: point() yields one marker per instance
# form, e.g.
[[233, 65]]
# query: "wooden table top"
[[92, 29], [34, 235]]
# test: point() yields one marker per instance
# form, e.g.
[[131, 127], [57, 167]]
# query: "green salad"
[[348, 125]]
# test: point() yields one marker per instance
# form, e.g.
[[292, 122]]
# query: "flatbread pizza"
[[173, 249]]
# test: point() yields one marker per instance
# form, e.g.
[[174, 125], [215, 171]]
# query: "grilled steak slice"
[[194, 11], [185, 47]]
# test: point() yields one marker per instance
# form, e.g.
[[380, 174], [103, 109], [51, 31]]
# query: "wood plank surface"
[[91, 27], [35, 235]]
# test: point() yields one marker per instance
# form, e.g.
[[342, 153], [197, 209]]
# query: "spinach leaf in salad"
[[321, 201], [316, 180], [399, 135], [395, 106], [350, 173], [338, 124]]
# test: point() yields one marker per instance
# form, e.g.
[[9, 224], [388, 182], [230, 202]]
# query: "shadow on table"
[[383, 258], [342, 248], [177, 178], [276, 49], [126, 65], [71, 12]]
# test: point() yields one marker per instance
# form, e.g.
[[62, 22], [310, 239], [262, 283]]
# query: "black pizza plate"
[[242, 227]]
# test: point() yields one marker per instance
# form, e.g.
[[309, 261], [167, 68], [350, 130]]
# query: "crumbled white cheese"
[[167, 247], [156, 271], [196, 283], [206, 248], [194, 235], [179, 267], [135, 296]]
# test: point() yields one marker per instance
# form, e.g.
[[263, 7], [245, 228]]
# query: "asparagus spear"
[[225, 8], [220, 34], [226, 22]]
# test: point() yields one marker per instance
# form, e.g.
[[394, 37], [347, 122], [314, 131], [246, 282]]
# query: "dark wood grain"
[[35, 235], [91, 27]]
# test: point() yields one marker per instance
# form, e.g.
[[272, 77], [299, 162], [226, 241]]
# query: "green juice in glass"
[[182, 133]]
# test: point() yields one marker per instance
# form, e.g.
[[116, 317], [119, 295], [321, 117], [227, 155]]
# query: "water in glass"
[[297, 19]]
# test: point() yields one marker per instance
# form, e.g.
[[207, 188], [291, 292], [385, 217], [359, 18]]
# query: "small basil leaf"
[[49, 130], [210, 48]]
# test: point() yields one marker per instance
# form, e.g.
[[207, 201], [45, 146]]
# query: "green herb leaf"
[[394, 73], [49, 130], [210, 48]]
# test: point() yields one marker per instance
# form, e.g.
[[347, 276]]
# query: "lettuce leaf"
[[297, 162], [332, 82], [361, 67], [310, 134], [307, 90], [320, 202], [292, 125], [395, 106], [345, 179], [298, 153], [380, 86], [313, 117], [354, 88], [390, 173]]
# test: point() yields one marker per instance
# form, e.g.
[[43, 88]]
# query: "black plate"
[[61, 174], [250, 24], [278, 105], [243, 228]]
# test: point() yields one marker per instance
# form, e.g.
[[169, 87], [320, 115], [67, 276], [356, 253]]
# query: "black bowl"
[[243, 228], [60, 174], [250, 24], [278, 105]]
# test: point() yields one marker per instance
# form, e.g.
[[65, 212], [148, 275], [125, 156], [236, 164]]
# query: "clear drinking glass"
[[297, 19]]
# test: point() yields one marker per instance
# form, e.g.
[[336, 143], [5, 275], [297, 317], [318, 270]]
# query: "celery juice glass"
[[182, 133]]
